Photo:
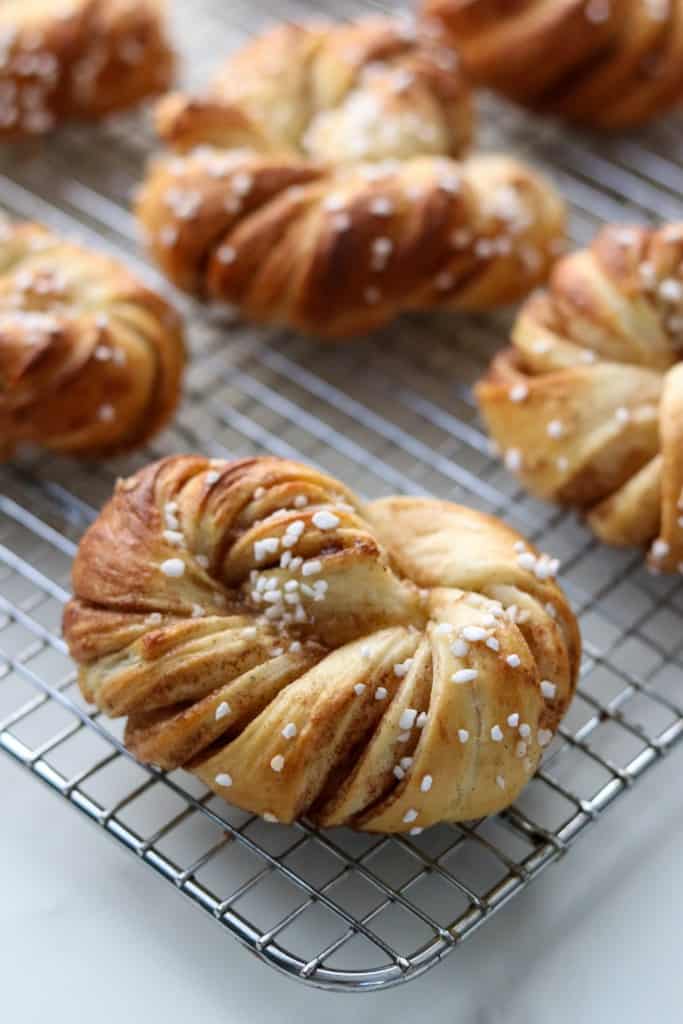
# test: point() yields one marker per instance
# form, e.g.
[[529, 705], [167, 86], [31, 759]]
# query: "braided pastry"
[[607, 63], [588, 405], [78, 59], [90, 360], [385, 666], [313, 186]]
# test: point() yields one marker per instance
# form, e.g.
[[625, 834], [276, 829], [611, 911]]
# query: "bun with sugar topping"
[[90, 359], [78, 59], [384, 666], [587, 405], [318, 184], [608, 64]]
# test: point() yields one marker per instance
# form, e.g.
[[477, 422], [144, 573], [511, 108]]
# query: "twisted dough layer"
[[606, 63], [313, 186], [78, 59], [588, 405], [90, 359], [386, 667]]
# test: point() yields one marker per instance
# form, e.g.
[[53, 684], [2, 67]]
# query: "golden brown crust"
[[606, 63], [588, 405], [78, 59], [90, 359], [385, 667], [315, 186]]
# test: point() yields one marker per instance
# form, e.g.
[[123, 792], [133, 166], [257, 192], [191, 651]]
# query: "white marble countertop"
[[88, 933]]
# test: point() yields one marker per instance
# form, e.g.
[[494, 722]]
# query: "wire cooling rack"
[[392, 414]]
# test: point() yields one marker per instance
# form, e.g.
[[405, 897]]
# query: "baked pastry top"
[[587, 406], [90, 359], [78, 59], [606, 63], [314, 185], [385, 666]]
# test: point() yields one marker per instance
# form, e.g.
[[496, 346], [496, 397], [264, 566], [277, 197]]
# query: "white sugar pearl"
[[671, 290], [310, 568], [464, 675], [359, 689], [381, 206], [277, 763], [548, 689], [518, 393], [463, 735], [597, 11], [513, 460], [407, 719], [660, 549], [223, 779], [222, 710], [325, 520], [496, 734], [173, 567], [381, 693], [513, 720], [267, 546], [226, 254], [525, 730], [474, 634], [426, 783], [410, 815], [334, 203], [460, 649], [242, 183], [289, 731]]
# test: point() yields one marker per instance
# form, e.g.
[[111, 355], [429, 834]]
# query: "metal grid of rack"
[[390, 414]]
